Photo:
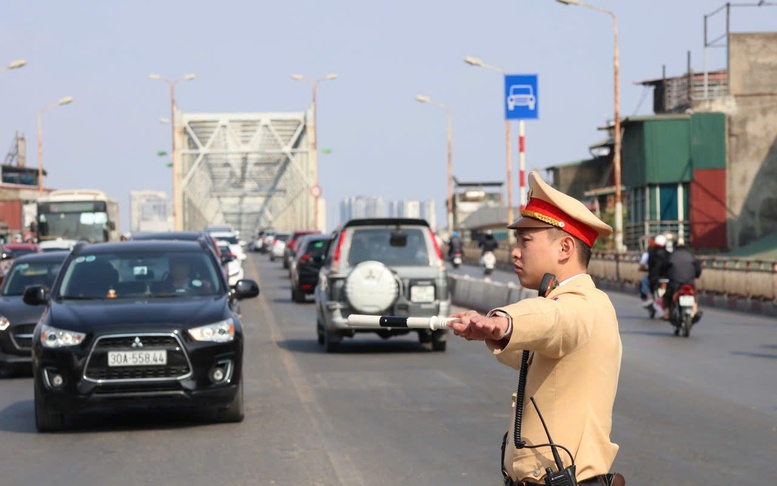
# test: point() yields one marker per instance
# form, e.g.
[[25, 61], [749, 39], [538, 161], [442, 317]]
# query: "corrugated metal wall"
[[708, 208], [708, 141]]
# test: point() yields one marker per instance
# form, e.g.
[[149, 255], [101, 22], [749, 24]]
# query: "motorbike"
[[456, 259], [683, 315], [488, 262]]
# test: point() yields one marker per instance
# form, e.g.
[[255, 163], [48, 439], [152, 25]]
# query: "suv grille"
[[22, 336], [177, 362]]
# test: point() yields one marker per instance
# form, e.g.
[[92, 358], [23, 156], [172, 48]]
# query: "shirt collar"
[[570, 278]]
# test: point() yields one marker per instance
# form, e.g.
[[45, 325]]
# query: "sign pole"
[[521, 101], [522, 161]]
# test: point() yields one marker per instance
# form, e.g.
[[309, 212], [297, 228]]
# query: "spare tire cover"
[[371, 287]]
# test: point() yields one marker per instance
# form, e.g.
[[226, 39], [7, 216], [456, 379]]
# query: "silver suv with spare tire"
[[381, 266]]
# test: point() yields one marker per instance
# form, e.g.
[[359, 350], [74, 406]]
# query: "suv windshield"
[[141, 274], [375, 244], [24, 275]]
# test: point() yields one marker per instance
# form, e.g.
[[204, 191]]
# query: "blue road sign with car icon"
[[521, 100]]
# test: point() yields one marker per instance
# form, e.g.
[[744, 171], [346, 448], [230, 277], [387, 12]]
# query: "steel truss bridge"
[[248, 170]]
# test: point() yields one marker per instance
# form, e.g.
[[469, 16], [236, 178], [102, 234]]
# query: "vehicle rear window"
[[315, 248], [374, 244]]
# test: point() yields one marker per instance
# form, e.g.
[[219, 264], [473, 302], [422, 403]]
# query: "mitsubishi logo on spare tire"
[[371, 288]]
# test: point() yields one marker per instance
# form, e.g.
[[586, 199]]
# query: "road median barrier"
[[483, 295]]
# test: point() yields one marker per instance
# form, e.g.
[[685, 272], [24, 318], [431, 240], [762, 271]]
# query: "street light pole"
[[316, 189], [476, 61], [177, 198], [426, 99], [62, 101], [616, 159]]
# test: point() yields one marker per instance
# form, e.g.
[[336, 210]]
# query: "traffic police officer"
[[572, 334]]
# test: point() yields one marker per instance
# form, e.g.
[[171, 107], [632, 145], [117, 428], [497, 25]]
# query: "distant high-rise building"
[[362, 207], [150, 211], [412, 208], [428, 212]]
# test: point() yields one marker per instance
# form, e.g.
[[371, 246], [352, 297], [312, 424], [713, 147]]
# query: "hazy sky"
[[383, 142]]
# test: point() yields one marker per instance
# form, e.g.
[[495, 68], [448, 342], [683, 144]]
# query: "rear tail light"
[[304, 258], [336, 258], [436, 249]]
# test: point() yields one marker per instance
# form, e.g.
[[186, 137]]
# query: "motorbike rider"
[[681, 268], [644, 283], [657, 258], [488, 243], [455, 245]]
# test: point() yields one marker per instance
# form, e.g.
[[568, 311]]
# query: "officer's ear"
[[567, 247]]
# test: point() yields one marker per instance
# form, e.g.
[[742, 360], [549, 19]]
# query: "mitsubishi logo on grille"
[[137, 343]]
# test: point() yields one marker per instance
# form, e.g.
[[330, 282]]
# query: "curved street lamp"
[[426, 99], [477, 62], [14, 65], [314, 139], [177, 199], [62, 101], [616, 159]]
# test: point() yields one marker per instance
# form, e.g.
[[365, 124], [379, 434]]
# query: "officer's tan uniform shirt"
[[573, 377]]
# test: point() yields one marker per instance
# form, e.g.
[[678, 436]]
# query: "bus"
[[65, 217]]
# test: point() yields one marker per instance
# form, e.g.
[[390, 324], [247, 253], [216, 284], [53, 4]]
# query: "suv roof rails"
[[385, 221]]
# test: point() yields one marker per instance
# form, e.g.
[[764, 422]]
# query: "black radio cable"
[[519, 444]]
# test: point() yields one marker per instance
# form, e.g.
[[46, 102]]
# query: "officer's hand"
[[475, 327]]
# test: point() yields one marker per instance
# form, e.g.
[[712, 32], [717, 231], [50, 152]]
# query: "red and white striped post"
[[522, 161]]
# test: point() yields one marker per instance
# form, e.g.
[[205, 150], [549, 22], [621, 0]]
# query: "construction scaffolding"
[[248, 170]]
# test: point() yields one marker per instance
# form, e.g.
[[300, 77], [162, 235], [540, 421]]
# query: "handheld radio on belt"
[[564, 476]]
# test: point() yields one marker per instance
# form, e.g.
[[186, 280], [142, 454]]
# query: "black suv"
[[381, 266], [17, 319], [138, 323]]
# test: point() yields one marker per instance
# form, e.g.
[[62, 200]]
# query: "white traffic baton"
[[433, 323]]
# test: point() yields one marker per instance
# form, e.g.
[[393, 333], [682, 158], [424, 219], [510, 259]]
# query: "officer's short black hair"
[[583, 250]]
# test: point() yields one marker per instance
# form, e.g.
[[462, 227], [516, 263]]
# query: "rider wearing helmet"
[[657, 257], [488, 243], [455, 245]]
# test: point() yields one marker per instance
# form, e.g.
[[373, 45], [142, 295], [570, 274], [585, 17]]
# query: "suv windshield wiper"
[[79, 297]]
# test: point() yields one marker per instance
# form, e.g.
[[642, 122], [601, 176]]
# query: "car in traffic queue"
[[19, 249], [291, 245], [306, 265], [278, 247], [234, 267], [138, 323], [381, 266], [221, 233], [17, 319], [224, 258]]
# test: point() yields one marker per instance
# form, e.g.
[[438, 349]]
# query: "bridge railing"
[[748, 278]]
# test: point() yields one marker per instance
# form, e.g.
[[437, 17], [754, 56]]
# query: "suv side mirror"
[[246, 289], [36, 295], [227, 257]]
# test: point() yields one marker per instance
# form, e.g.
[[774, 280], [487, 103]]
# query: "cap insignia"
[[542, 217]]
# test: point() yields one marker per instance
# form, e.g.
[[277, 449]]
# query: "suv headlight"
[[219, 332], [4, 323], [51, 337]]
